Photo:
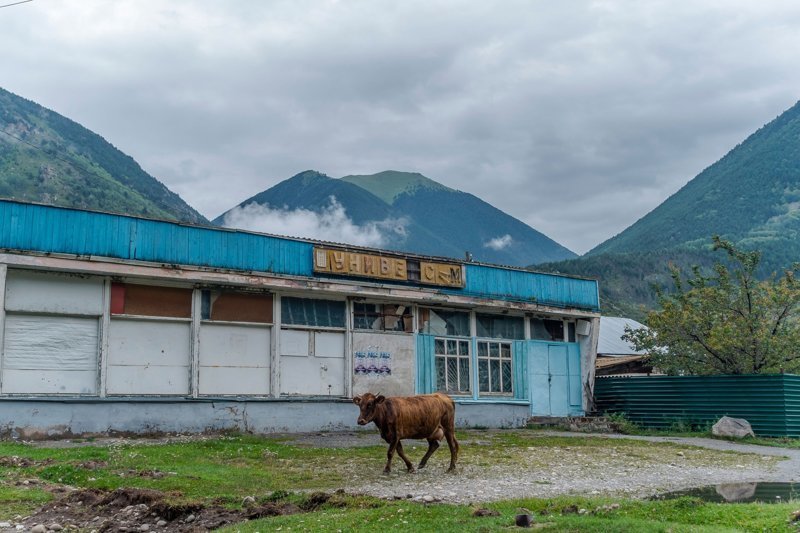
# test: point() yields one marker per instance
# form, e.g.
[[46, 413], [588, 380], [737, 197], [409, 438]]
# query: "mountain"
[[750, 197], [436, 220], [48, 158]]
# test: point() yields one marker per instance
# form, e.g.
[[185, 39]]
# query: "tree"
[[726, 323]]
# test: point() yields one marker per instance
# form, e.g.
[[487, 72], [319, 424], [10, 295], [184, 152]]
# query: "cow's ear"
[[380, 399], [357, 400]]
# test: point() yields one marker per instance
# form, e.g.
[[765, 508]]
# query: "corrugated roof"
[[610, 343]]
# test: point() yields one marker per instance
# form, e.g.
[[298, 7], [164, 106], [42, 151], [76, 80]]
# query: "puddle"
[[772, 492]]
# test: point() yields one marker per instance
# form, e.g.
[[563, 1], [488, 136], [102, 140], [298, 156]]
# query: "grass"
[[224, 469]]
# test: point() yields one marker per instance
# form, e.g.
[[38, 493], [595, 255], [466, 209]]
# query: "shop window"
[[442, 322], [382, 317], [500, 327], [494, 367], [311, 312], [547, 330], [145, 300], [234, 306], [452, 359]]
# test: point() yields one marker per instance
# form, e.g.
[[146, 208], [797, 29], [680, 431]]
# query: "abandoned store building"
[[112, 323]]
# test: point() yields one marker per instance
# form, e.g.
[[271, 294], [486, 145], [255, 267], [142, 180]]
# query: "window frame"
[[488, 358], [459, 358]]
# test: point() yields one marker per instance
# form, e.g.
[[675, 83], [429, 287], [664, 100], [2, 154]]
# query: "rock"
[[428, 498], [191, 518], [732, 427], [5, 524], [795, 517], [39, 528], [144, 527], [523, 520], [161, 523], [248, 501], [485, 512], [55, 527]]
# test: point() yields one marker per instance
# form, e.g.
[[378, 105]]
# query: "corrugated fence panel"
[[547, 289], [771, 403], [58, 230]]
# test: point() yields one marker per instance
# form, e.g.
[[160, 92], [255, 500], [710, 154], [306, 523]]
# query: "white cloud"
[[499, 243], [330, 224]]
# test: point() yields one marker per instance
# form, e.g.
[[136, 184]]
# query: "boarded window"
[[50, 355], [547, 330], [234, 306], [145, 300], [382, 317], [311, 312], [442, 322], [500, 327]]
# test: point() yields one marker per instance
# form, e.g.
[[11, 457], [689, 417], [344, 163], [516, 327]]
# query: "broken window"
[[500, 326], [547, 330], [443, 322], [382, 317]]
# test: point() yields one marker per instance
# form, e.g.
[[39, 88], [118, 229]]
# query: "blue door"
[[554, 377]]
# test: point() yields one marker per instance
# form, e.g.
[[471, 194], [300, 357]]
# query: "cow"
[[427, 416]]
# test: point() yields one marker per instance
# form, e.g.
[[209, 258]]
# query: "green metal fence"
[[771, 403]]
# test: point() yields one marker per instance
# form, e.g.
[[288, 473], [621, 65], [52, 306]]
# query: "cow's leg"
[[433, 445], [389, 455], [403, 456], [450, 435]]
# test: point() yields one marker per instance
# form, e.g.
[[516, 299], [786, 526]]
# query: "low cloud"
[[330, 224], [499, 243]]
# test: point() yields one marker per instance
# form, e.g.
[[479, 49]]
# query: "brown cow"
[[428, 416]]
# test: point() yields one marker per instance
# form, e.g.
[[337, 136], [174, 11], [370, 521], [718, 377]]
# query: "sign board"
[[346, 263]]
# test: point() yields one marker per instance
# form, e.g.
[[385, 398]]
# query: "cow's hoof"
[[387, 472], [412, 470]]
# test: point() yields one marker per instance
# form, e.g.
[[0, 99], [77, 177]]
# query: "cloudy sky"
[[576, 117]]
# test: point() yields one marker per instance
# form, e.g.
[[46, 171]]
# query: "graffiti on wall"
[[373, 362]]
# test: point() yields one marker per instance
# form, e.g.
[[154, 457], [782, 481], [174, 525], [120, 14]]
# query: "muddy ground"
[[616, 470]]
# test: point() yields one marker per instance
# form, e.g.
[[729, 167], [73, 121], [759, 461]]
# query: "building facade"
[[112, 323]]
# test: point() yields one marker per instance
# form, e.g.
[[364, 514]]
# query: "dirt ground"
[[634, 471]]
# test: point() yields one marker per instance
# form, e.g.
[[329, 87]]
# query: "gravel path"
[[616, 468]]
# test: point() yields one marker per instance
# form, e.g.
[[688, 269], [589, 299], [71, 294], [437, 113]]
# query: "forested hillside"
[[48, 158]]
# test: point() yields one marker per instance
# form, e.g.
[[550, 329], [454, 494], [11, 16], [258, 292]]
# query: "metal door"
[[554, 377]]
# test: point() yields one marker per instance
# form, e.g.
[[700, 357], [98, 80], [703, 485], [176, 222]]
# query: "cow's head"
[[368, 403]]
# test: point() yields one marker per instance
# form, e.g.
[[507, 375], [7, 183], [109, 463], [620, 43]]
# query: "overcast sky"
[[576, 117]]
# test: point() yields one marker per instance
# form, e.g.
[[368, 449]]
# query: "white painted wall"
[[234, 359], [312, 362], [400, 350], [148, 357], [53, 293]]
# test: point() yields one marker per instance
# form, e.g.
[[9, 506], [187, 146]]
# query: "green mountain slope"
[[751, 196], [437, 220], [45, 157]]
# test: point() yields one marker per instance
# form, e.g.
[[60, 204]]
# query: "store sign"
[[346, 263]]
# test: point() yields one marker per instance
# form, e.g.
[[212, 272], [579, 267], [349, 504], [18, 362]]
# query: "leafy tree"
[[727, 323]]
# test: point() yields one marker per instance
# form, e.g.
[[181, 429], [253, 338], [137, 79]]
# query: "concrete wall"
[[42, 419], [383, 363]]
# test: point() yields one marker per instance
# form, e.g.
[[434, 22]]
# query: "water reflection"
[[765, 492]]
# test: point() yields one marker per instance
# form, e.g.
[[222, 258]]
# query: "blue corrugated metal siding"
[[520, 285], [771, 403], [57, 230], [60, 230]]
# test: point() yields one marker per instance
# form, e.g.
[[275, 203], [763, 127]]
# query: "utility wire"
[[16, 3]]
